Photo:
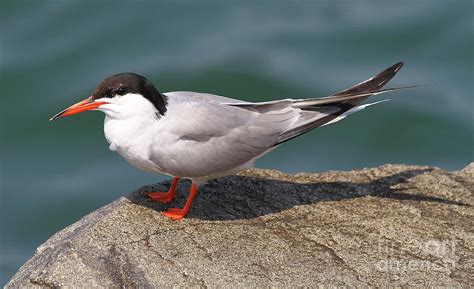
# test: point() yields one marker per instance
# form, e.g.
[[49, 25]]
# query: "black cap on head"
[[123, 83]]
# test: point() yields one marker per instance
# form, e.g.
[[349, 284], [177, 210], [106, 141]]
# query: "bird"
[[202, 136]]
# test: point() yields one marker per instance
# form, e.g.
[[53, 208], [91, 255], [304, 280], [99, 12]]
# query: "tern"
[[201, 136]]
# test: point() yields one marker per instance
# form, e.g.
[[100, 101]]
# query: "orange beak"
[[86, 104]]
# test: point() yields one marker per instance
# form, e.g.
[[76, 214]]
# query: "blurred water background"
[[53, 53]]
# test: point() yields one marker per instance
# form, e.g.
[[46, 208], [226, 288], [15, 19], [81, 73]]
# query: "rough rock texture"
[[398, 225]]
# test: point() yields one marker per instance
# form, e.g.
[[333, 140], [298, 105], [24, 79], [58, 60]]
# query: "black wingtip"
[[387, 74], [374, 83], [396, 67]]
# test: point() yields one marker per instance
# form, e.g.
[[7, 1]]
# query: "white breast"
[[132, 139]]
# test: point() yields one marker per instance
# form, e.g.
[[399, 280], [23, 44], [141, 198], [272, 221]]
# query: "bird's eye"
[[121, 91]]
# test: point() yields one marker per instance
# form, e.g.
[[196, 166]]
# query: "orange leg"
[[165, 197], [177, 213]]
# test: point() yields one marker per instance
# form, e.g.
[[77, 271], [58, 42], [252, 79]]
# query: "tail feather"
[[331, 100], [354, 110], [345, 101]]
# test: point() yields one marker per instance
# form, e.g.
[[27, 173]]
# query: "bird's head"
[[121, 96]]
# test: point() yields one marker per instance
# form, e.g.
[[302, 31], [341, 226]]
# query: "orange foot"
[[165, 198], [177, 213], [174, 213]]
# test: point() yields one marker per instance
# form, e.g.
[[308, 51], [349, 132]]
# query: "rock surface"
[[398, 225]]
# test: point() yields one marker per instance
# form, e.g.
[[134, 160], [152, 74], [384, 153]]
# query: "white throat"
[[128, 106]]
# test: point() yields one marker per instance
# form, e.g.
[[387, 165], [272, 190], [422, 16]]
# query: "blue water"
[[53, 53]]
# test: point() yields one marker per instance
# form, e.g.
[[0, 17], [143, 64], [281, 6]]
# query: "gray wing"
[[200, 139], [202, 97]]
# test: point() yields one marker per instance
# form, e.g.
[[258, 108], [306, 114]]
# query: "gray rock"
[[398, 225]]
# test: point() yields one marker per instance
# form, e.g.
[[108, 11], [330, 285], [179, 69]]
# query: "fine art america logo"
[[433, 255]]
